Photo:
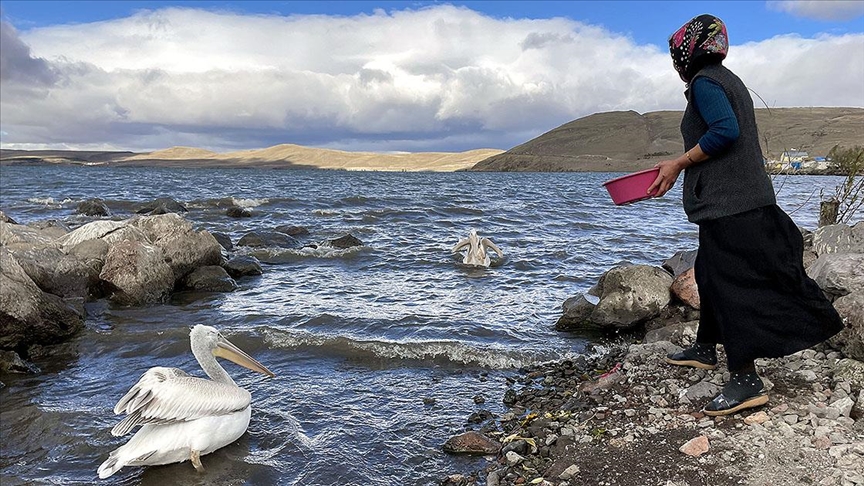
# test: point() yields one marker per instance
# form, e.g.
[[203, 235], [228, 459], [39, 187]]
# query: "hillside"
[[628, 141]]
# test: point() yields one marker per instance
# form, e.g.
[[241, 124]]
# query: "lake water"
[[379, 352]]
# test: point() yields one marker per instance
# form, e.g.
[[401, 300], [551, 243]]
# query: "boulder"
[[681, 333], [680, 262], [345, 242], [267, 239], [184, 248], [27, 314], [210, 278], [577, 314], [630, 295], [223, 240], [51, 227], [292, 230], [851, 339], [839, 238], [136, 273], [92, 207], [851, 371], [6, 219], [90, 250], [238, 212], [838, 274], [90, 231], [472, 443], [684, 287], [20, 236], [162, 205], [60, 274], [11, 362], [243, 265], [809, 258]]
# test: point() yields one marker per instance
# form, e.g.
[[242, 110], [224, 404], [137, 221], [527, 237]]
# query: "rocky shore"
[[622, 416]]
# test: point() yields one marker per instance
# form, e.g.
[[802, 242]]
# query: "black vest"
[[734, 181]]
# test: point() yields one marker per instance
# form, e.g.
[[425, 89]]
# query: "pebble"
[[696, 446]]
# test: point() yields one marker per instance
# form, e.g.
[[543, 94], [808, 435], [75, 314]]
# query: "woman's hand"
[[669, 170]]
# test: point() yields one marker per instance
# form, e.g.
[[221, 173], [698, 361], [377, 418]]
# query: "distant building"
[[794, 159]]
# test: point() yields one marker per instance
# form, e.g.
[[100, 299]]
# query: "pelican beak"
[[224, 349]]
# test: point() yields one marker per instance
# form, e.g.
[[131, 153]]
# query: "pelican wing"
[[488, 243], [169, 395], [462, 244]]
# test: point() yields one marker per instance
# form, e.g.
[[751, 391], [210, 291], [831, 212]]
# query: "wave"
[[49, 201], [288, 255], [442, 353]]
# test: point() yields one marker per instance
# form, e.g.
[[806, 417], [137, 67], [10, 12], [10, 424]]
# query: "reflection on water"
[[379, 351]]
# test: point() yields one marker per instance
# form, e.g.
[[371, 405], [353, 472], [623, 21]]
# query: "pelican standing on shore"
[[183, 417], [476, 254]]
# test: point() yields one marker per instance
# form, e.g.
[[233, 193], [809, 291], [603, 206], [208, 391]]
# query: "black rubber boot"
[[744, 390], [700, 355]]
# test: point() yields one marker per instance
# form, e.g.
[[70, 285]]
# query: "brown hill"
[[628, 141]]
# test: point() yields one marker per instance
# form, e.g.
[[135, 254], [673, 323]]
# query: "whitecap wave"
[[48, 201], [288, 255], [249, 203]]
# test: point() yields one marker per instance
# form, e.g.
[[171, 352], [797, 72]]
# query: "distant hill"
[[627, 141]]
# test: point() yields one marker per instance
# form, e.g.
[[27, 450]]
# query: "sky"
[[384, 75]]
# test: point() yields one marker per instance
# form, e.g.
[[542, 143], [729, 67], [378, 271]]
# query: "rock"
[[91, 231], [267, 239], [292, 230], [680, 262], [757, 418], [90, 250], [675, 333], [839, 238], [456, 480], [61, 274], [10, 362], [471, 443], [6, 219], [345, 242], [569, 473], [630, 295], [50, 227], [224, 240], [577, 311], [513, 458], [809, 258], [92, 207], [210, 278], [162, 205], [838, 274], [27, 314], [851, 371], [183, 248], [701, 391], [242, 265], [696, 447], [238, 212], [843, 406], [851, 339], [684, 287], [16, 236], [857, 411], [137, 273]]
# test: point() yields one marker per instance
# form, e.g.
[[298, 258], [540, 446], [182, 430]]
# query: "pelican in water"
[[476, 254], [183, 417]]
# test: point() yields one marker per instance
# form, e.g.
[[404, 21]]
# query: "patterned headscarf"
[[699, 41]]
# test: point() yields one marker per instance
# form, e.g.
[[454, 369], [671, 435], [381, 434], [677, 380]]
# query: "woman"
[[755, 297]]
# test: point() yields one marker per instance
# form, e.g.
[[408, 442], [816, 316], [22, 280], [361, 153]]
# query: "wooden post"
[[828, 212]]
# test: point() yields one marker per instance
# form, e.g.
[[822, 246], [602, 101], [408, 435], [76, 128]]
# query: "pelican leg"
[[195, 457]]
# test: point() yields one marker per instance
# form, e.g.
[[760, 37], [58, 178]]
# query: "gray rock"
[[238, 212], [10, 362], [675, 333], [224, 240], [242, 266], [90, 231], [630, 295], [90, 250], [851, 371], [839, 238], [183, 248], [6, 219], [577, 313], [27, 314], [838, 273], [51, 228], [267, 239], [680, 262], [851, 339], [345, 242], [294, 231], [137, 273], [162, 205], [19, 236], [210, 279], [93, 207], [704, 390], [60, 274], [471, 443]]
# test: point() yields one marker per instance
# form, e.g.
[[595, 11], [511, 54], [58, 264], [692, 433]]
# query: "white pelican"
[[476, 254], [184, 417]]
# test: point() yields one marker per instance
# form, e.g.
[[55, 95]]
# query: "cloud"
[[16, 63], [440, 78], [820, 9]]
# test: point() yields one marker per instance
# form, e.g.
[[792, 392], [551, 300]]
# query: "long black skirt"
[[755, 297]]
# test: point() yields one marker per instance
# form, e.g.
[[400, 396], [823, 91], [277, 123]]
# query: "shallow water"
[[358, 338]]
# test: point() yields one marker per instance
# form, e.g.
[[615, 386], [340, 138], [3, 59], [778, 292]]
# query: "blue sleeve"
[[714, 108]]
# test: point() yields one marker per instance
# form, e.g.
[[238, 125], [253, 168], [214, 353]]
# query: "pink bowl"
[[632, 187]]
